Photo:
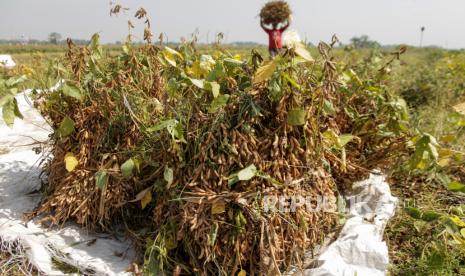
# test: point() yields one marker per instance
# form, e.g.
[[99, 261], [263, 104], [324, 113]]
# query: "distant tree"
[[363, 42], [54, 38]]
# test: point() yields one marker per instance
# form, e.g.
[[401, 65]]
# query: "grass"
[[411, 243]]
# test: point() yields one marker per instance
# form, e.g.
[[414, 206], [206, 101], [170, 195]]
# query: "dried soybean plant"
[[183, 148]]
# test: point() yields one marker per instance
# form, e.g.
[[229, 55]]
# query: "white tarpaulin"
[[6, 61], [20, 179], [360, 249]]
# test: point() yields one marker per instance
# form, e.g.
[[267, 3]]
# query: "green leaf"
[[173, 127], [292, 81], [66, 127], [232, 62], [265, 71], [243, 175], [216, 73], [199, 83], [218, 103], [127, 169], [72, 91], [456, 186], [96, 54], [101, 179], [6, 99], [344, 139], [413, 212], [8, 112], [425, 147], [296, 117], [328, 108], [213, 234], [247, 173], [168, 175], [214, 87], [14, 81], [430, 216]]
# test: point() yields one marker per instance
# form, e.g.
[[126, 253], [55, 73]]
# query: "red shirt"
[[275, 37]]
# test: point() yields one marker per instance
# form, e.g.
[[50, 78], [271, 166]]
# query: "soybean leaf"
[[247, 173], [70, 162], [218, 103], [344, 139], [66, 127], [146, 199], [214, 87], [8, 112], [168, 176], [218, 208], [173, 127], [72, 91], [232, 62], [170, 56], [101, 179], [296, 117], [127, 169], [199, 83], [265, 71]]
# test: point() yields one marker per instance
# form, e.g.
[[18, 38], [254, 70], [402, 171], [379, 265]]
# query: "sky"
[[386, 21]]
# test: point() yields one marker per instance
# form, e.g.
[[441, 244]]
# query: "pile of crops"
[[275, 12], [182, 148]]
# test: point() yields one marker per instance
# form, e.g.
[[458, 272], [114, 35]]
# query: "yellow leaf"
[[265, 72], [462, 231], [146, 199], [170, 58], [170, 54], [70, 162], [242, 273], [460, 108], [218, 208], [448, 138], [457, 221], [444, 162]]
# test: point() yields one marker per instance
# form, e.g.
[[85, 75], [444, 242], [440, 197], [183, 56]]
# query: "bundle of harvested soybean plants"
[[187, 149], [275, 12]]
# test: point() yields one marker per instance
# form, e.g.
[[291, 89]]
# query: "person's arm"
[[285, 26], [262, 24]]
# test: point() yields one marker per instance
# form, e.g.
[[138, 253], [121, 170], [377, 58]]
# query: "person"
[[275, 35]]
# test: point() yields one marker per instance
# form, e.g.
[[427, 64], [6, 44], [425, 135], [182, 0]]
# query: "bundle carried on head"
[[275, 12]]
